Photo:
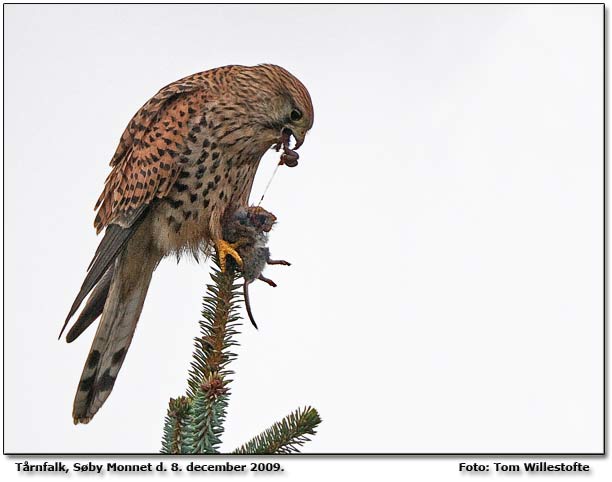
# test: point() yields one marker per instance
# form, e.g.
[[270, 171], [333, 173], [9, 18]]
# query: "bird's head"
[[282, 105]]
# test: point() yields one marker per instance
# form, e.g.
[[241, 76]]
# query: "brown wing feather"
[[147, 161]]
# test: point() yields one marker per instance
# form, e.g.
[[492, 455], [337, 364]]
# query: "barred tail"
[[126, 294]]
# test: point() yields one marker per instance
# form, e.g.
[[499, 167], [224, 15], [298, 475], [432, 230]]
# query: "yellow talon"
[[223, 249]]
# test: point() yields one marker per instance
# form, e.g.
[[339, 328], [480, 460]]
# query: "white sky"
[[444, 225]]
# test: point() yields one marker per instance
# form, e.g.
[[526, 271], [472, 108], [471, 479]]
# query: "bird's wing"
[[147, 161], [144, 167]]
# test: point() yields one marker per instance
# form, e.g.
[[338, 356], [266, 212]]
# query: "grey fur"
[[249, 229]]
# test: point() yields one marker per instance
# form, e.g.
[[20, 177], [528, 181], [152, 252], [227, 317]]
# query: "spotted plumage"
[[188, 156]]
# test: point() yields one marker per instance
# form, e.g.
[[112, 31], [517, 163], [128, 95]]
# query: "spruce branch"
[[194, 423], [205, 424], [217, 329], [286, 436], [174, 426]]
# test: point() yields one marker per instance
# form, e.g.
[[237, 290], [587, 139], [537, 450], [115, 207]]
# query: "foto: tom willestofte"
[[525, 467]]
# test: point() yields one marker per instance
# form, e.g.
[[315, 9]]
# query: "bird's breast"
[[206, 186]]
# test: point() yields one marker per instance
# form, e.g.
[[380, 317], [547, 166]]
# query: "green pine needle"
[[205, 424], [194, 423], [174, 426], [199, 427], [217, 328], [286, 436]]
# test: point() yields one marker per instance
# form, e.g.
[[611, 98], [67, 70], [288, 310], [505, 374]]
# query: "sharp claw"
[[223, 249]]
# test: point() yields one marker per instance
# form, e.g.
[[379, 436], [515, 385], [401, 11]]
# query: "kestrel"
[[186, 158]]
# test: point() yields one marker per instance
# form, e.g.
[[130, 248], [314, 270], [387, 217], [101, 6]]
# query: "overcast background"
[[444, 224]]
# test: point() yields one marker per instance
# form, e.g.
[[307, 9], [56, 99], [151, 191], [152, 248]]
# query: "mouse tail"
[[247, 302]]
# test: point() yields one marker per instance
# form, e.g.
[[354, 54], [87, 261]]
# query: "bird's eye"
[[296, 115]]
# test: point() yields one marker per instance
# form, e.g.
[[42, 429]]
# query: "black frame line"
[[327, 454]]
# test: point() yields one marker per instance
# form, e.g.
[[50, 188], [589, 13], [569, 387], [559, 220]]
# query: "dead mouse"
[[248, 230]]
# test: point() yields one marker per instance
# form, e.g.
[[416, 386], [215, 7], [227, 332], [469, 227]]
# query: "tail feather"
[[113, 242], [93, 307], [126, 293]]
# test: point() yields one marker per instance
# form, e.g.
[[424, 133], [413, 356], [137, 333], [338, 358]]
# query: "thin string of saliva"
[[268, 185]]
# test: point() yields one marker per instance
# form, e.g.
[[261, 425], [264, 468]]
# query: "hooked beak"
[[298, 134]]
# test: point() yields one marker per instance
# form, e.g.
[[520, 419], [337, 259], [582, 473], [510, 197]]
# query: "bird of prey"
[[187, 157]]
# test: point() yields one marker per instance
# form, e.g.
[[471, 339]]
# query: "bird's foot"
[[223, 249]]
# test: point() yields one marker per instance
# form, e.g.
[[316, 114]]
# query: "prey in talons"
[[247, 230], [225, 249]]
